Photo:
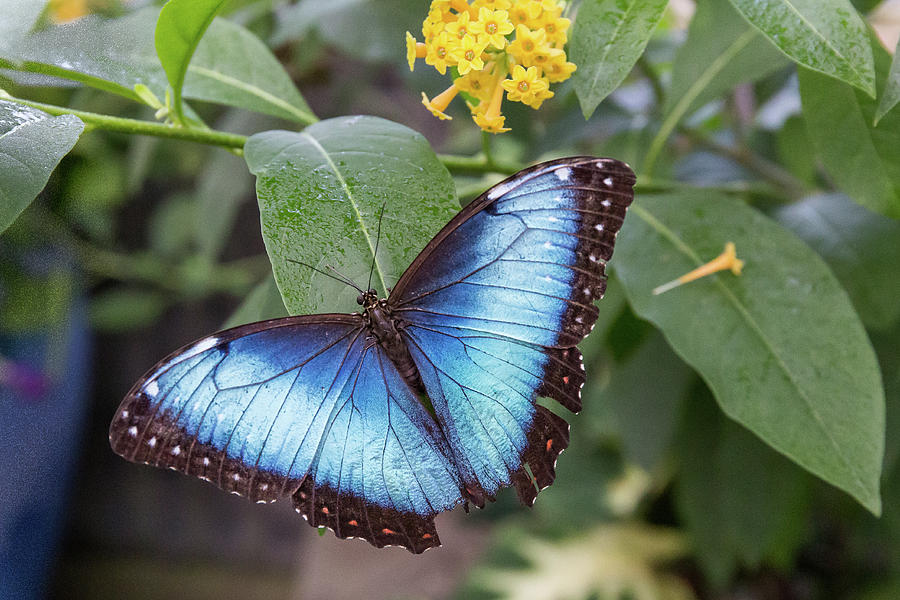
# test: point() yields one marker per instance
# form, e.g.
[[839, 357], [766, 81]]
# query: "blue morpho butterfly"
[[374, 422]]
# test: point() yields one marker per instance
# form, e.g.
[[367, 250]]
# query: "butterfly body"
[[374, 422]]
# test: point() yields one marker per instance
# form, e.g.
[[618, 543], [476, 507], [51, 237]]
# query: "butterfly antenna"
[[338, 276], [375, 255]]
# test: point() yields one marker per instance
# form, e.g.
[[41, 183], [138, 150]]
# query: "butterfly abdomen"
[[383, 327]]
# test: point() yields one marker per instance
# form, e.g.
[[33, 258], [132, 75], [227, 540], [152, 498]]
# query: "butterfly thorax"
[[385, 329]]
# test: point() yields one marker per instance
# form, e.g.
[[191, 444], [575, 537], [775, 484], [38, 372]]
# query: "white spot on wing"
[[606, 202], [587, 291], [176, 450], [608, 182], [205, 461], [152, 389], [204, 345], [236, 477], [599, 227], [124, 414], [132, 431], [152, 442], [593, 258], [563, 173]]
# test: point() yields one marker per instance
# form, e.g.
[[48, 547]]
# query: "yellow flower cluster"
[[494, 46]]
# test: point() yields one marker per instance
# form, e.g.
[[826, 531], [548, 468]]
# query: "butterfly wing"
[[301, 406], [494, 306]]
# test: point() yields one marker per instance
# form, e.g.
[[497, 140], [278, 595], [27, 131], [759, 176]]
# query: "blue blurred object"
[[43, 406]]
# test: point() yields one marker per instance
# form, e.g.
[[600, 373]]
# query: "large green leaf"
[[781, 346], [180, 26], [230, 65], [31, 145], [321, 192], [607, 39], [827, 36], [720, 51], [862, 248], [742, 503], [864, 160], [891, 93]]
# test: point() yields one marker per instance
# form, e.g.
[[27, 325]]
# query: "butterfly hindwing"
[[301, 406], [494, 306]]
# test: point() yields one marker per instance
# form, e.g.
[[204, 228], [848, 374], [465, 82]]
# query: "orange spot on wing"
[[352, 522], [388, 531], [549, 444], [426, 536], [566, 379], [325, 510]]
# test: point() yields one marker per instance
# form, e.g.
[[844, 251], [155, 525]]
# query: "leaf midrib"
[[362, 225]]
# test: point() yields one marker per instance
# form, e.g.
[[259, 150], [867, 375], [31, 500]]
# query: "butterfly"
[[375, 422]]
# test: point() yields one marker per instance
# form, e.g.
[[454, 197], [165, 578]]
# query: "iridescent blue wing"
[[305, 407], [494, 306]]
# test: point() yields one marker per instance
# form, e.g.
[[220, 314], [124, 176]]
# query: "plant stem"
[[766, 169], [648, 70], [477, 164], [138, 127]]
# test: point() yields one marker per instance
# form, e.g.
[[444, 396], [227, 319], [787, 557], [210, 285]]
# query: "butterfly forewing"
[[494, 306]]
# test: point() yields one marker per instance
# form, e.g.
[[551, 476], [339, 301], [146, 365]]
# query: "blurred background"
[[112, 268]]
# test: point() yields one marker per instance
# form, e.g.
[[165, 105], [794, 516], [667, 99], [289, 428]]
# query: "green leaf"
[[642, 410], [321, 192], [230, 65], [607, 39], [891, 93], [367, 29], [827, 36], [179, 28], [31, 145], [720, 51], [863, 160], [743, 504], [860, 247], [263, 302], [223, 185], [781, 346]]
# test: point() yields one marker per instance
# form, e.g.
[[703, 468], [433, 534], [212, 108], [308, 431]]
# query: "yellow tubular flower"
[[460, 28], [440, 52], [556, 31], [527, 86], [492, 4], [492, 27], [491, 120], [468, 55], [414, 50], [477, 83], [558, 69], [440, 102], [525, 45], [525, 12], [544, 55]]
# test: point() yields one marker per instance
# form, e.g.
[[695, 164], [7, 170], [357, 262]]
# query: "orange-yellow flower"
[[555, 29], [414, 50], [476, 83], [440, 102], [527, 42], [468, 55], [492, 4], [490, 119], [492, 27], [727, 260], [527, 86], [524, 12], [461, 27], [558, 69], [440, 52]]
